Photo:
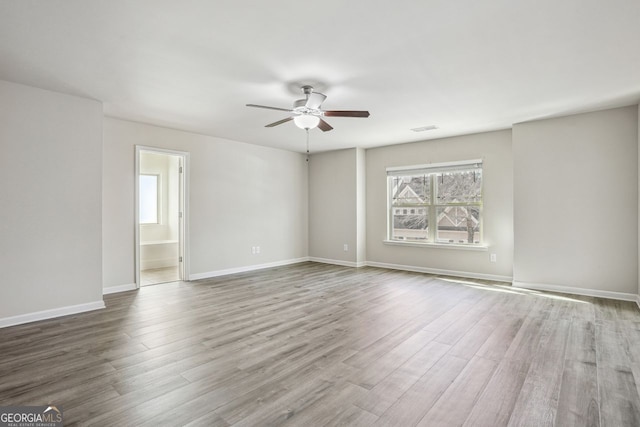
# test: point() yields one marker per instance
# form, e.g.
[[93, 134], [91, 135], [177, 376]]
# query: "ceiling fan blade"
[[269, 108], [334, 113], [324, 126], [315, 100], [279, 122]]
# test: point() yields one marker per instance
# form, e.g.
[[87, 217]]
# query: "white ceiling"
[[464, 66]]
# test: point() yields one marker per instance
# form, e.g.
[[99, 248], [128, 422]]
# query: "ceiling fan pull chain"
[[307, 145]]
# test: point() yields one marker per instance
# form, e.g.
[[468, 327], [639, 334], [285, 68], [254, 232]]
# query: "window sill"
[[480, 248]]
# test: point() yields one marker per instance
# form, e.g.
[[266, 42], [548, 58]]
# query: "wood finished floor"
[[159, 275], [313, 345]]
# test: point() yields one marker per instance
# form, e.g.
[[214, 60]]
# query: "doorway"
[[161, 188]]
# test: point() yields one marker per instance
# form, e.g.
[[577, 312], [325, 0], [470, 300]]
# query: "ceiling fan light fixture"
[[306, 121]]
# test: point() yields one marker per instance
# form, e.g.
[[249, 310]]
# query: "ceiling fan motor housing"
[[300, 107]]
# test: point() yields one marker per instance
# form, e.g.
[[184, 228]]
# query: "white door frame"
[[183, 246]]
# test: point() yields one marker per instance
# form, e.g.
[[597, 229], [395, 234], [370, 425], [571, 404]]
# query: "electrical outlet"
[[253, 250], [494, 258], [346, 247], [257, 249]]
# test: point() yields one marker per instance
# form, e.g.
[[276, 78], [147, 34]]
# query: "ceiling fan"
[[307, 114]]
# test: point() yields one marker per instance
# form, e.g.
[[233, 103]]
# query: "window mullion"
[[433, 220]]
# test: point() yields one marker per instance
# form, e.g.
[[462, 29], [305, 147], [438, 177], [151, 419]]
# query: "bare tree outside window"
[[459, 223]]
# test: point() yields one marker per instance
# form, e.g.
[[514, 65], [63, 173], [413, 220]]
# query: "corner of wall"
[[361, 207]]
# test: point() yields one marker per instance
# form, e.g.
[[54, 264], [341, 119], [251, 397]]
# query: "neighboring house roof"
[[455, 216], [405, 194]]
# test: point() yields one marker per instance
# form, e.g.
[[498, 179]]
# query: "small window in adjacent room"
[[149, 196], [440, 203]]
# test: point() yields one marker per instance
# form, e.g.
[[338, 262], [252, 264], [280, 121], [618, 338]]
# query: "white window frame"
[[432, 170]]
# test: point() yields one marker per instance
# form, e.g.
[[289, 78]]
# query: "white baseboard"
[[119, 288], [577, 291], [49, 314], [217, 273], [638, 300], [338, 262], [441, 272]]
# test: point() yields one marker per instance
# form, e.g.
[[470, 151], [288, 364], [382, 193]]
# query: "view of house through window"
[[149, 199], [436, 204]]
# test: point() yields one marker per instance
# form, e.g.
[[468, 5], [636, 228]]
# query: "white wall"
[[241, 196], [638, 130], [333, 206], [495, 150], [361, 206], [576, 201], [51, 173]]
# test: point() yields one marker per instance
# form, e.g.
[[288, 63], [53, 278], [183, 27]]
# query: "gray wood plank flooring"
[[314, 345]]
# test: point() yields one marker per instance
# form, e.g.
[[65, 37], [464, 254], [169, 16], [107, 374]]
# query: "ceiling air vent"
[[425, 128]]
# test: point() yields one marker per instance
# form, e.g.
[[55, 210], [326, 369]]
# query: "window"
[[149, 199], [440, 203]]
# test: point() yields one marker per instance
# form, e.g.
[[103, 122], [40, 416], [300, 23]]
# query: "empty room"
[[247, 213]]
